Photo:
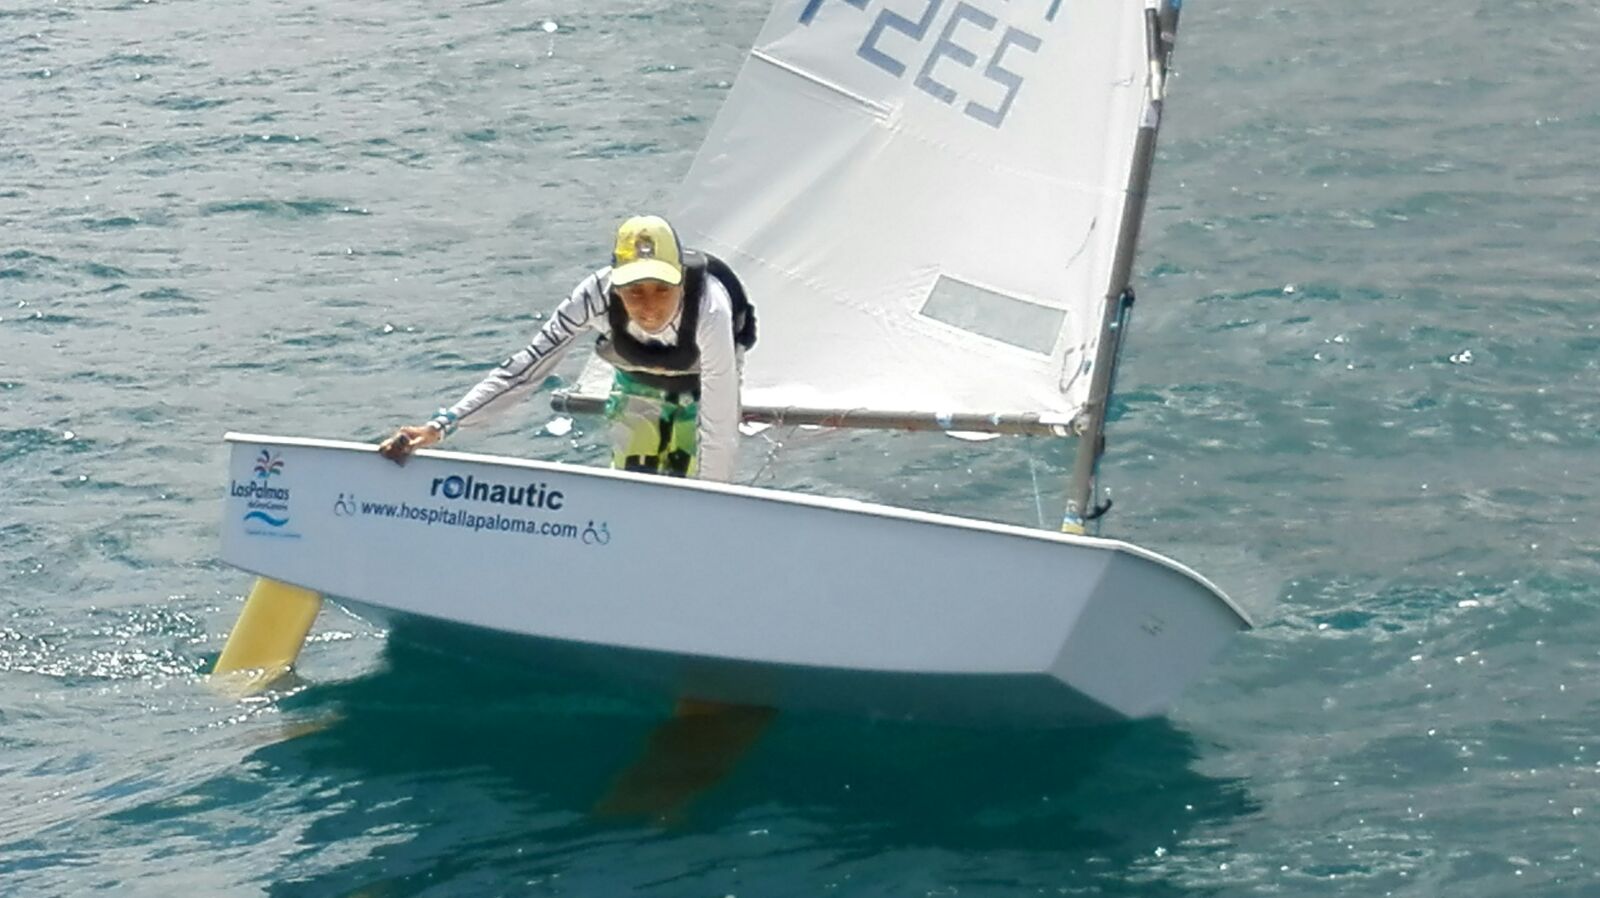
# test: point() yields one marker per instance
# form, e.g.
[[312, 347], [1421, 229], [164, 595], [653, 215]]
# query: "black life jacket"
[[685, 354]]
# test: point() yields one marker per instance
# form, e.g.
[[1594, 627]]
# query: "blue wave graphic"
[[266, 518]]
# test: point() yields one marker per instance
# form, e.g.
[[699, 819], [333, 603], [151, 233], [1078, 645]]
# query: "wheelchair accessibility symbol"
[[596, 536], [345, 507]]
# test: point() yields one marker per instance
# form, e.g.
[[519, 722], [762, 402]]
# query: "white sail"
[[923, 198]]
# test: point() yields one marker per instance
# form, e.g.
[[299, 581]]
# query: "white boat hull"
[[731, 593]]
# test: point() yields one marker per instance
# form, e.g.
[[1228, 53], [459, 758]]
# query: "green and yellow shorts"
[[652, 430]]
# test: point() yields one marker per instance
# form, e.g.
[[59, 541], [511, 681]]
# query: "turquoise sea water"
[[1360, 395]]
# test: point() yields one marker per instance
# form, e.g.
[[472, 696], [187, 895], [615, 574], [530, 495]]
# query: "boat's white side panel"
[[1144, 635], [710, 572]]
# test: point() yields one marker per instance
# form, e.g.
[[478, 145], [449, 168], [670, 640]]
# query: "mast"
[[1161, 27]]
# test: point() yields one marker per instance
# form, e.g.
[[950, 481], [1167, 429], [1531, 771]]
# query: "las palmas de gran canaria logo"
[[268, 504]]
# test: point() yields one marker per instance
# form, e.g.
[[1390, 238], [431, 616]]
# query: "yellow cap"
[[647, 250]]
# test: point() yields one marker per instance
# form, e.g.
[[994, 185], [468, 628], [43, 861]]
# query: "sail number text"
[[960, 36]]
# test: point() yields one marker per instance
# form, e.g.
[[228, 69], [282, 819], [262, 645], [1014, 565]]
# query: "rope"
[[1038, 503], [773, 448]]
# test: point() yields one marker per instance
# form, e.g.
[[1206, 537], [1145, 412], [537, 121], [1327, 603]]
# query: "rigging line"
[[773, 448], [1084, 245], [1038, 503]]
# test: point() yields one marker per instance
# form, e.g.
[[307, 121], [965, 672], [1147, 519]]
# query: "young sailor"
[[674, 324]]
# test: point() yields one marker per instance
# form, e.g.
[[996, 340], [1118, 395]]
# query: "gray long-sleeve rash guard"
[[586, 310]]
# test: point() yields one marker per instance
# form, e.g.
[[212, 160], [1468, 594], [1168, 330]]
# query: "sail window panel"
[[998, 316]]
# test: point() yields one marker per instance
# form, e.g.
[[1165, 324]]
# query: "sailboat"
[[934, 205]]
